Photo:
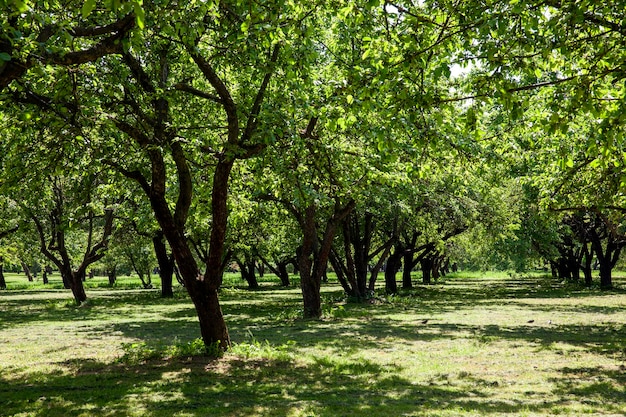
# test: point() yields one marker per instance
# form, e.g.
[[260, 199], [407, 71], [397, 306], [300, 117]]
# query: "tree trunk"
[[392, 268], [436, 267], [202, 288], [427, 267], [67, 281], [586, 265], [27, 271], [340, 273], [606, 279], [75, 280], [247, 268], [312, 263], [607, 257], [3, 283], [280, 270], [112, 274], [309, 282], [376, 269], [554, 270], [283, 274], [310, 286], [166, 265], [361, 241], [210, 317], [407, 283], [44, 275]]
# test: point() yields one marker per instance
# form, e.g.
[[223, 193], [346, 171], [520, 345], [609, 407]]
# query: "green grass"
[[471, 345]]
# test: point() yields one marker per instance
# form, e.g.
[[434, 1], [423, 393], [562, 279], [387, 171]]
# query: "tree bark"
[[166, 265], [376, 269], [586, 265], [427, 267], [607, 257], [393, 266], [283, 274], [74, 282], [247, 268], [407, 282], [112, 275], [312, 263], [27, 271], [280, 270], [44, 275], [3, 283], [310, 282]]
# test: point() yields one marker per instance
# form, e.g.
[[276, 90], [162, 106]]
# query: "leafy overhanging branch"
[[15, 69]]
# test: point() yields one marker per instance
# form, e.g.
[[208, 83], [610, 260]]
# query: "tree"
[[146, 110]]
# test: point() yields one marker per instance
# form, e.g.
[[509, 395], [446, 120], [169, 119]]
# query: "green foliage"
[[255, 349], [135, 353], [142, 352]]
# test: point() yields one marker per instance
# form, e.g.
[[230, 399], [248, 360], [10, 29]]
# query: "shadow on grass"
[[259, 387], [595, 387], [24, 307], [330, 385]]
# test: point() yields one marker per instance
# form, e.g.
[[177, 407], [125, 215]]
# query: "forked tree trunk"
[[607, 257], [202, 289], [312, 263], [347, 280], [586, 265], [280, 270], [247, 267], [74, 281], [376, 269]]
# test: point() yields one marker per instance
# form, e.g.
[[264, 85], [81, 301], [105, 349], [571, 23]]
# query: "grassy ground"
[[468, 346]]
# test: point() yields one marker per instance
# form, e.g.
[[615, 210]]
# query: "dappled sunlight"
[[426, 352]]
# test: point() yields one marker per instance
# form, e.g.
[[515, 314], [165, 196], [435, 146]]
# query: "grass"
[[471, 345]]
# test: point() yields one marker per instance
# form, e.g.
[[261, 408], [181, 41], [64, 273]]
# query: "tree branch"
[[258, 100], [222, 91], [199, 93]]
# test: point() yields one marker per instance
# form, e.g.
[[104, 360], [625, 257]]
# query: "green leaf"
[[140, 15], [5, 57], [21, 6], [88, 7]]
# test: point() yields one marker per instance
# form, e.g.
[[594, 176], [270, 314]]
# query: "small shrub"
[[194, 348], [135, 353], [264, 350]]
